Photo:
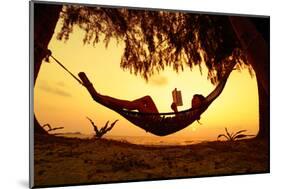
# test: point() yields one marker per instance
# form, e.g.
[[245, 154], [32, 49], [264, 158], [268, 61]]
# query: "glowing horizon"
[[61, 101]]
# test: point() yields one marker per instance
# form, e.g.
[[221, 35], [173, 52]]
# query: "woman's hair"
[[199, 96], [197, 100]]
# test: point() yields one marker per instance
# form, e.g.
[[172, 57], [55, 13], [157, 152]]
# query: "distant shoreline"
[[139, 140]]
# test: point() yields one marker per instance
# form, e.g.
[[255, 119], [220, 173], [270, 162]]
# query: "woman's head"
[[197, 100]]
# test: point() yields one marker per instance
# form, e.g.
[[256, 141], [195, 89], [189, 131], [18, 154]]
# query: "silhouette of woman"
[[144, 104]]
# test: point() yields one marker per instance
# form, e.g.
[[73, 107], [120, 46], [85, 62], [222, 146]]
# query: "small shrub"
[[50, 128], [102, 131], [233, 136]]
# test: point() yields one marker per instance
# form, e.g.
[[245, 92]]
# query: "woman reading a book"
[[144, 104]]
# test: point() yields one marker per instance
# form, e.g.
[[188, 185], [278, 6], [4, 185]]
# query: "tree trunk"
[[45, 19], [257, 52], [263, 112]]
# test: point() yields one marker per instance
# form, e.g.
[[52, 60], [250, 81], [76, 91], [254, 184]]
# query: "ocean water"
[[142, 140], [150, 140]]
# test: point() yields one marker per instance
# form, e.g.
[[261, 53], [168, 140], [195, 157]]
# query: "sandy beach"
[[60, 161]]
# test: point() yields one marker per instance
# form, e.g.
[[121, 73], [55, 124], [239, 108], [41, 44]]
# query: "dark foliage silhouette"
[[233, 136], [99, 133], [51, 128]]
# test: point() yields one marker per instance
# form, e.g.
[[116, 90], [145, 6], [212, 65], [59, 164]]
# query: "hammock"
[[162, 124]]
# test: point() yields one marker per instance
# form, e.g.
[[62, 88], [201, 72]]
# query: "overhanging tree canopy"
[[156, 39]]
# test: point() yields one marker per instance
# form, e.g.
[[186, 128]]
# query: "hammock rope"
[[79, 81], [160, 124], [49, 54]]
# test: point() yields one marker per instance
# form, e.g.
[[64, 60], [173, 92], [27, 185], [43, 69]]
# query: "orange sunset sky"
[[61, 101]]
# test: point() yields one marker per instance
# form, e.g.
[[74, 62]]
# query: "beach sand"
[[70, 161]]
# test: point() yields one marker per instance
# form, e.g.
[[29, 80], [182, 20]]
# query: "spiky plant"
[[233, 136], [50, 128], [100, 132]]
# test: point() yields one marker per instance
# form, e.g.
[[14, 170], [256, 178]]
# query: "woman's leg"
[[143, 104], [110, 101]]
